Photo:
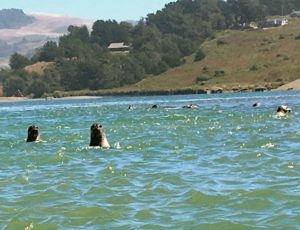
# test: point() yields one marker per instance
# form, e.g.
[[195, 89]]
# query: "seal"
[[190, 106], [98, 137], [130, 108], [283, 110], [33, 133], [256, 104]]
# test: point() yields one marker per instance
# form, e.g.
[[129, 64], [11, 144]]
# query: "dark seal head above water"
[[283, 110], [33, 133], [98, 137], [256, 104]]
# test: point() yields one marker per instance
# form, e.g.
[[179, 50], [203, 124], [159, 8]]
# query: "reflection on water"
[[225, 165]]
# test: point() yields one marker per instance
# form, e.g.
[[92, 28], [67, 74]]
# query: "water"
[[223, 166]]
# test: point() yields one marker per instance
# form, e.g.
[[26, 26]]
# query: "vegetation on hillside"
[[235, 60], [158, 43]]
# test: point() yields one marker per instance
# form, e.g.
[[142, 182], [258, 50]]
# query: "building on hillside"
[[119, 46], [251, 25], [274, 22], [295, 14]]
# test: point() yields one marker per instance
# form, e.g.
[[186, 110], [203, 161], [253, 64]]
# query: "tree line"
[[81, 59]]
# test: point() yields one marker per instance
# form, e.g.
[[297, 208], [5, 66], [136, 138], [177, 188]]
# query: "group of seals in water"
[[97, 138], [155, 106], [282, 110]]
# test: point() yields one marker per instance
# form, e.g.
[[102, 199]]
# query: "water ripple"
[[225, 165]]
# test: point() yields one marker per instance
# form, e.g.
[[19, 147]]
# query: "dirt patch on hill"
[[294, 85], [38, 67]]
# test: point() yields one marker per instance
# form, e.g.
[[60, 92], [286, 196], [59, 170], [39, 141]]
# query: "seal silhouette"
[[98, 137], [33, 133], [283, 110]]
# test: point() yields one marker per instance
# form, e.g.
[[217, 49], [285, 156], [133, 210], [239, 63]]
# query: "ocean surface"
[[225, 165]]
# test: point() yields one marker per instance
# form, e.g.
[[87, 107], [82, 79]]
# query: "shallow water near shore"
[[225, 165]]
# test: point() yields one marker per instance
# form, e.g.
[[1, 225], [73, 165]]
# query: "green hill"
[[236, 60]]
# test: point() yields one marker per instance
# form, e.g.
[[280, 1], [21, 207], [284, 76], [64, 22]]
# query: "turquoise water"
[[225, 165]]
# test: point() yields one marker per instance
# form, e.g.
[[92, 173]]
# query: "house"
[[274, 22], [295, 14], [119, 46], [277, 22]]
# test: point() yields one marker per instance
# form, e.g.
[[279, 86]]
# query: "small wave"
[[268, 145]]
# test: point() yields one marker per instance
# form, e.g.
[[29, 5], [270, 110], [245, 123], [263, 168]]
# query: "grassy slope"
[[38, 67], [250, 59]]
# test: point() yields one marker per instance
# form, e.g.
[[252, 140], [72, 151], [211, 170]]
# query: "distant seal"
[[130, 107], [33, 133], [155, 106], [191, 106], [283, 110], [256, 104], [98, 137]]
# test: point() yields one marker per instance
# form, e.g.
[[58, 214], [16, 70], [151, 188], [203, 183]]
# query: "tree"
[[49, 52], [81, 33], [106, 32], [38, 88], [200, 55], [12, 85], [18, 61]]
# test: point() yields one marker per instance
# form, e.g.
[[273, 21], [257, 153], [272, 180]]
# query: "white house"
[[278, 21], [274, 22], [295, 14]]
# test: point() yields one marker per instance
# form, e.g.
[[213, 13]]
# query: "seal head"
[[33, 133], [98, 137]]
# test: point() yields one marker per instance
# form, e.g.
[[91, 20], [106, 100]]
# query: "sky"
[[118, 10]]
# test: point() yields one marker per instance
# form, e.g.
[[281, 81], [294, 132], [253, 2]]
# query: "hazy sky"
[[90, 9]]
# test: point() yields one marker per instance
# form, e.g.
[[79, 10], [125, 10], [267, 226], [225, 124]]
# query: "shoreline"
[[15, 99], [292, 86], [12, 99]]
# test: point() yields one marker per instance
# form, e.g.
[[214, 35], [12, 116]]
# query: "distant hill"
[[33, 32], [235, 61], [14, 19]]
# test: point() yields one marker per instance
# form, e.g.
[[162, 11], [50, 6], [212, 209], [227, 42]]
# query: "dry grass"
[[237, 59], [38, 67]]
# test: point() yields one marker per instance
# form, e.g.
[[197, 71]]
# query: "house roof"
[[118, 45], [276, 19], [296, 13]]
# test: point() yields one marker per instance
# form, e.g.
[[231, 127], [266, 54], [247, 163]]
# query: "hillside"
[[236, 60], [43, 28], [13, 19]]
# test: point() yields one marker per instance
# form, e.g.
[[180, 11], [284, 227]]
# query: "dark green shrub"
[[219, 73], [200, 55], [253, 68], [202, 79]]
